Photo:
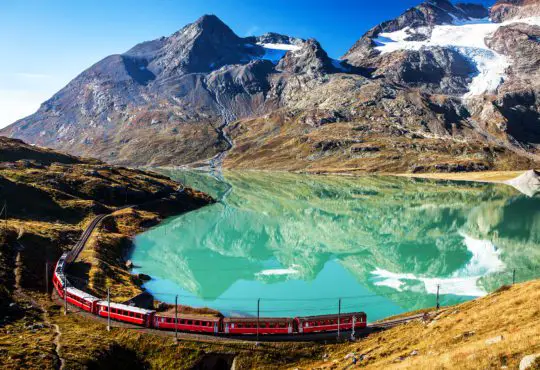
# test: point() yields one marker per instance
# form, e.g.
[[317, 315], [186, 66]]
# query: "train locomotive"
[[201, 324]]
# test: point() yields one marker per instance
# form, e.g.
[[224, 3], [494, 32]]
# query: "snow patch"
[[463, 282], [274, 52], [468, 38], [270, 272], [527, 183]]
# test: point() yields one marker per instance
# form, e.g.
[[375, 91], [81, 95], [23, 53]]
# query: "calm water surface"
[[301, 242]]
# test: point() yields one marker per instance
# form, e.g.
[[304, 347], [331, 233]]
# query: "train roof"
[[125, 307], [254, 319], [183, 316], [333, 316], [81, 294]]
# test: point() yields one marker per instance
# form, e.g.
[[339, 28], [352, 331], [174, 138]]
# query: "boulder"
[[494, 340], [144, 277], [529, 361]]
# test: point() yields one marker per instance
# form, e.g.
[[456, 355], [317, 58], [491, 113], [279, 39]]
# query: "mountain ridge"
[[176, 100]]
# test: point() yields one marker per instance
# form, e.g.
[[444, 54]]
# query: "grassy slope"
[[283, 142], [51, 197], [455, 339]]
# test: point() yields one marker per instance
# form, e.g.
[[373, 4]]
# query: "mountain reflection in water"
[[299, 242]]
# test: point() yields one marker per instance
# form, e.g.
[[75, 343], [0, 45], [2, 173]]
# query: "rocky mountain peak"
[[275, 38], [310, 59], [202, 46]]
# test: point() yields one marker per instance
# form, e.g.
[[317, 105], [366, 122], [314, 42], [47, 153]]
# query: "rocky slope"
[[440, 88]]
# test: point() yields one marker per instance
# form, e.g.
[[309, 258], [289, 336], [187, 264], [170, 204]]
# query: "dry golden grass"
[[455, 339], [85, 343], [484, 176]]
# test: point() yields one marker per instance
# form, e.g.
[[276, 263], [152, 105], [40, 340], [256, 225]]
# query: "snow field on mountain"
[[468, 38], [274, 52]]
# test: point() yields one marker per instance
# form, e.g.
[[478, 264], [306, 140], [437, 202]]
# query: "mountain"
[[440, 88]]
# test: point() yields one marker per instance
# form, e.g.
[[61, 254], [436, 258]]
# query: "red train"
[[202, 323]]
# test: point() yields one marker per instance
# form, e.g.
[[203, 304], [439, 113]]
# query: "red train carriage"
[[122, 312], [313, 324], [248, 325], [82, 300], [58, 276], [191, 323]]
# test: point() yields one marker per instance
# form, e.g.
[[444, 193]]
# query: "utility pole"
[[109, 309], [258, 317], [438, 305], [339, 319], [176, 319], [47, 277], [353, 327], [65, 294], [4, 211], [513, 276]]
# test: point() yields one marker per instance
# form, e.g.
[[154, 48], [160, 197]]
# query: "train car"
[[122, 312], [82, 300], [266, 325], [58, 276], [191, 323], [314, 324]]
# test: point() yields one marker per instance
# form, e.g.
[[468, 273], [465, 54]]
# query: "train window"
[[197, 322], [189, 322]]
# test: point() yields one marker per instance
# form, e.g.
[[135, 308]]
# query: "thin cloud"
[[252, 30]]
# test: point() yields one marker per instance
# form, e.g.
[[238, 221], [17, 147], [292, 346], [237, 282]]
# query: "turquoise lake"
[[299, 243]]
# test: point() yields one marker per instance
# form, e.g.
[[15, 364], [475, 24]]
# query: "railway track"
[[84, 237], [311, 337], [81, 243]]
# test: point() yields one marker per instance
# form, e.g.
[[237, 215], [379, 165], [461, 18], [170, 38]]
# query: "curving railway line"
[[312, 328]]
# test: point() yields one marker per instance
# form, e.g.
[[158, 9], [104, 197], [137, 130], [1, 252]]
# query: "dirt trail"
[[17, 271]]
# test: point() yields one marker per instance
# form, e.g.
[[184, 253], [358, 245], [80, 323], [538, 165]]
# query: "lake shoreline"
[[270, 193], [474, 176]]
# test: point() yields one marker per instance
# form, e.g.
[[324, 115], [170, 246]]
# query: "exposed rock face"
[[435, 70], [310, 59], [519, 99], [504, 10], [275, 101]]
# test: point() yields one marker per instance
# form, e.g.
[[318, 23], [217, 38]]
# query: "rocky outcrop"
[[309, 59], [435, 70]]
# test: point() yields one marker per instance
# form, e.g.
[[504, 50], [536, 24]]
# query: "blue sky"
[[47, 43]]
